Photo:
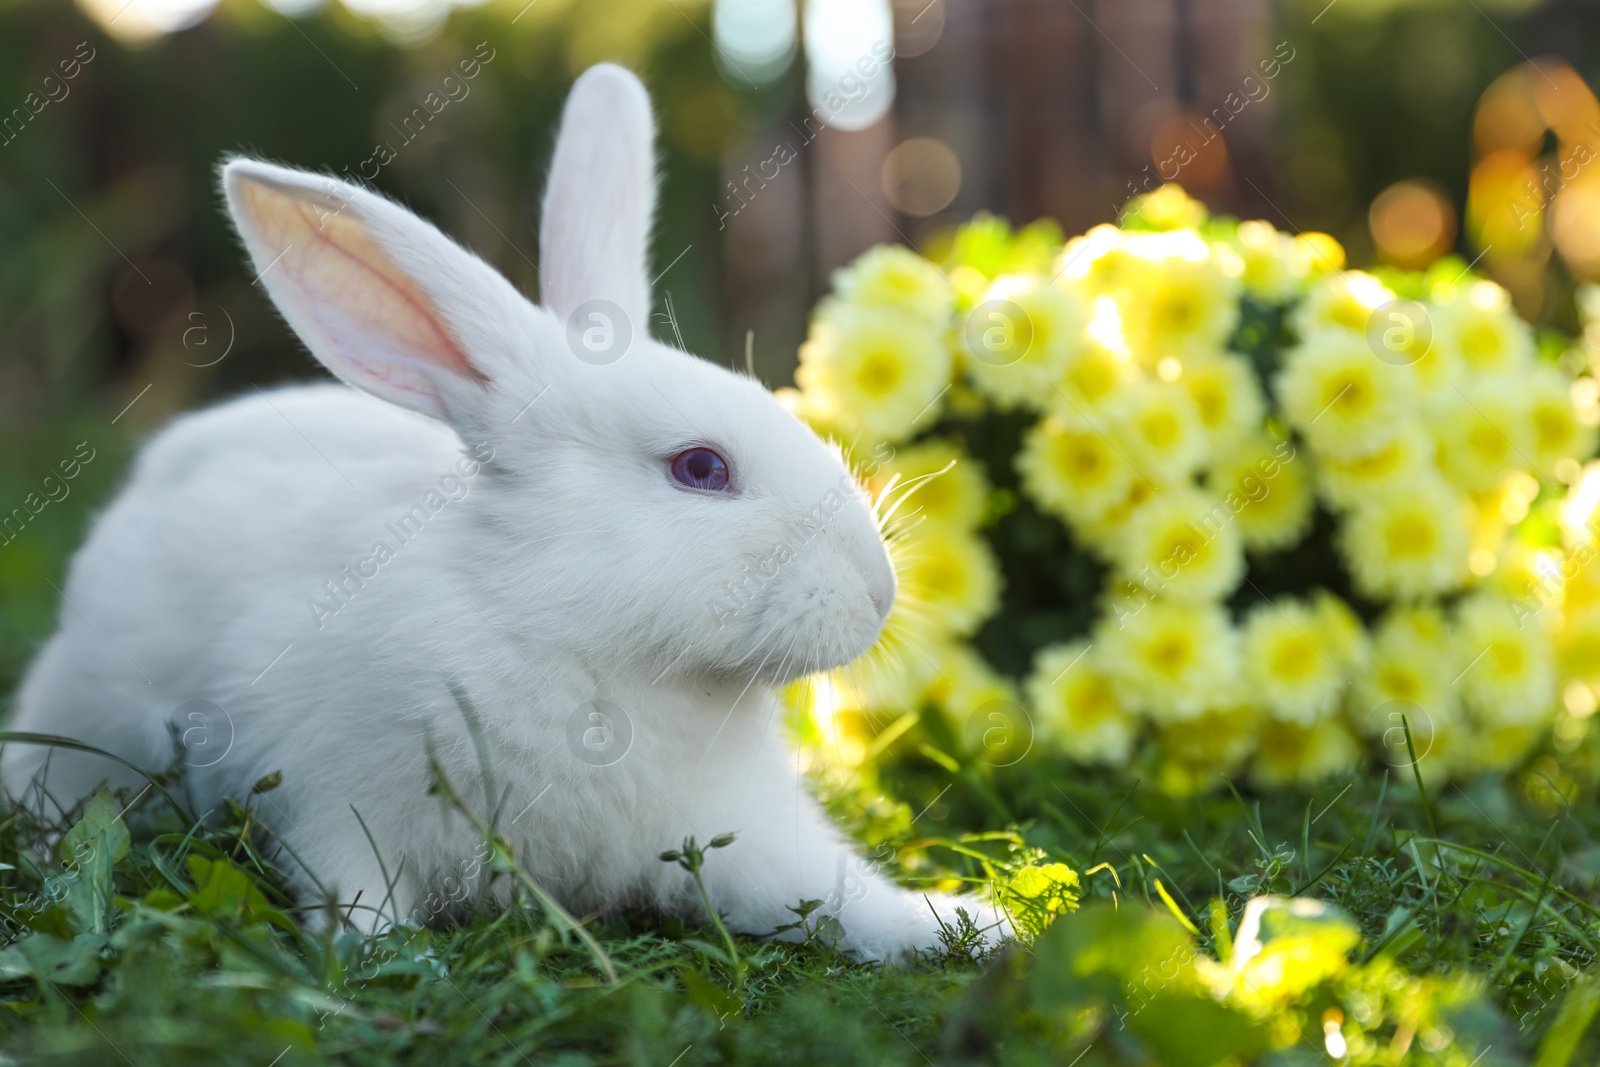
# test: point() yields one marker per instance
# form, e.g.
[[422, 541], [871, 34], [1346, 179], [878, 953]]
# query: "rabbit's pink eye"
[[700, 468]]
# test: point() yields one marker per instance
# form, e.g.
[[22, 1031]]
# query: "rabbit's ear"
[[380, 296], [595, 233]]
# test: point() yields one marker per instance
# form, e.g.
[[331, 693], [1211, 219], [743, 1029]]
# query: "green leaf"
[[1572, 1021], [1034, 895], [703, 994], [224, 891], [78, 843], [1192, 1030], [52, 960], [1102, 952]]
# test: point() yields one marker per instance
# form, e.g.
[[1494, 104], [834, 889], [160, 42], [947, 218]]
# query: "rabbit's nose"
[[881, 585]]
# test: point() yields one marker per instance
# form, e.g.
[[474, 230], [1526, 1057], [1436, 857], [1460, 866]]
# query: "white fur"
[[566, 569]]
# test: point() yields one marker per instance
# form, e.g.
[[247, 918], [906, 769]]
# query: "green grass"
[[185, 949], [1475, 907]]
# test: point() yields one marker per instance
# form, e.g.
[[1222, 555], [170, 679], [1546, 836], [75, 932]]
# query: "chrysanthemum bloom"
[[1555, 427], [1407, 542], [1482, 432], [1324, 254], [1074, 470], [1193, 752], [1411, 663], [1344, 483], [1093, 383], [1276, 268], [1180, 300], [1532, 578], [1478, 324], [1076, 708], [1181, 544], [962, 683], [934, 482], [1021, 339], [1343, 301], [1435, 365], [1167, 207], [1269, 487], [1103, 534], [1410, 675], [950, 575], [1291, 754], [1286, 671], [1099, 263], [1340, 632], [1227, 397], [1578, 644], [1499, 748], [1160, 428], [1346, 401], [1170, 660], [874, 369], [896, 277], [1507, 672]]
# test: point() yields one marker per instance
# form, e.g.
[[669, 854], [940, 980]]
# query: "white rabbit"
[[519, 506]]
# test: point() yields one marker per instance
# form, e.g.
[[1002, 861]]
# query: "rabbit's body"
[[525, 593]]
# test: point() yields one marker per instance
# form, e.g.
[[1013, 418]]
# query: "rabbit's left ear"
[[594, 240], [381, 297]]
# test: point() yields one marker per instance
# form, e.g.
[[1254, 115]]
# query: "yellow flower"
[[1160, 427], [1286, 670], [949, 574], [1171, 661], [1499, 748], [1076, 707], [896, 277], [1180, 300], [1410, 663], [1022, 338], [963, 682], [1195, 751], [1099, 263], [1410, 675], [873, 369], [1482, 432], [1227, 397], [1340, 631], [1166, 207], [1104, 533], [1346, 401], [1441, 741], [1265, 483], [1407, 542], [935, 482], [1276, 267], [1325, 255], [1181, 544], [1577, 643], [1343, 301], [1507, 671], [1291, 754], [1556, 430], [1344, 483], [1073, 470], [1092, 384], [1479, 326]]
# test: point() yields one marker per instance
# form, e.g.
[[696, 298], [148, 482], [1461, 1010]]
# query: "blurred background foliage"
[[1405, 129]]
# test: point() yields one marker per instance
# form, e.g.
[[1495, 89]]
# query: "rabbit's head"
[[643, 507]]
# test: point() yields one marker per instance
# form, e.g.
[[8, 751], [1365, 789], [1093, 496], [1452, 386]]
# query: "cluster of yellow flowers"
[[1416, 410]]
